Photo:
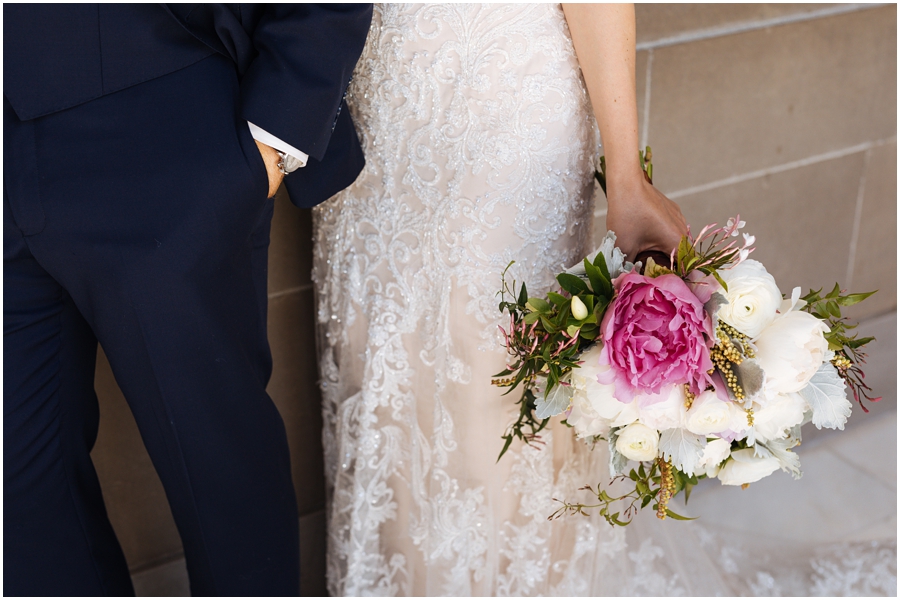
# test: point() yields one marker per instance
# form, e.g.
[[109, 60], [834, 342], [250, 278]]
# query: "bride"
[[478, 128]]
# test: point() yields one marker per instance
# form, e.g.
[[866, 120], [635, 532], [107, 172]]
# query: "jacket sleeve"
[[305, 55]]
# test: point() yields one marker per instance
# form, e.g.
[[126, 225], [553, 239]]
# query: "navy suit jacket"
[[294, 62]]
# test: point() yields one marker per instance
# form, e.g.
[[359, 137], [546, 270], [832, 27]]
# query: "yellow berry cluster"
[[750, 417], [688, 396], [666, 487], [726, 352], [842, 363]]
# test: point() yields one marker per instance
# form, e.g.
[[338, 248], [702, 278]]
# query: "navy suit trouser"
[[140, 220]]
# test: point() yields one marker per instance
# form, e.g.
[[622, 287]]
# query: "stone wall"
[[783, 113]]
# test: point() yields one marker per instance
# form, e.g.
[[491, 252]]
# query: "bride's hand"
[[643, 219]]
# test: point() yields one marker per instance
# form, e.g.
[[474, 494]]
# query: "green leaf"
[[851, 299], [720, 280], [509, 439], [615, 519], [856, 343], [687, 492], [633, 475], [523, 296], [572, 283], [835, 292], [600, 263], [642, 487], [558, 299], [549, 326], [678, 517], [531, 318], [600, 284], [833, 309], [573, 330], [647, 500], [538, 305]]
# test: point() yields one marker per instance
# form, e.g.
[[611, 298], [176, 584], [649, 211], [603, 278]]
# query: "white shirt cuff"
[[261, 135]]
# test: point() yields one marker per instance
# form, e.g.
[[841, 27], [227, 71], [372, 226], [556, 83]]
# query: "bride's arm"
[[604, 40]]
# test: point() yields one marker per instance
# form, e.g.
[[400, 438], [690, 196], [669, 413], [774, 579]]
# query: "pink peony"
[[655, 333]]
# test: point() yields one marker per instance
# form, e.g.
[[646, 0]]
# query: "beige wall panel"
[[657, 21], [134, 495], [801, 240], [733, 105], [290, 257], [294, 388], [640, 77], [876, 250]]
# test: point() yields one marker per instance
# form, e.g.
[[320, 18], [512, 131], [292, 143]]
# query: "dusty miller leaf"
[[827, 398], [615, 260], [750, 377], [712, 306], [555, 402], [617, 461], [683, 448], [780, 450]]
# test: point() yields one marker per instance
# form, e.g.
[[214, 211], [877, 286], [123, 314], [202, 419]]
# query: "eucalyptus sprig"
[[847, 348], [545, 337], [657, 483]]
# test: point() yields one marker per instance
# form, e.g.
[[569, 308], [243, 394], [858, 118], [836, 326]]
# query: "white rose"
[[668, 414], [781, 412], [638, 442], [791, 350], [584, 419], [600, 395], [713, 454], [753, 298], [744, 467], [709, 415]]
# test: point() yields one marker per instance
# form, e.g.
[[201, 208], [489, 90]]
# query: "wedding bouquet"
[[698, 369]]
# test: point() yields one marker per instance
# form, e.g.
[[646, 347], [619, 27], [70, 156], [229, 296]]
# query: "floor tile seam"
[[294, 290], [789, 166], [747, 26]]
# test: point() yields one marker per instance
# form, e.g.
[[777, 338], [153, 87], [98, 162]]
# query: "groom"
[[141, 145]]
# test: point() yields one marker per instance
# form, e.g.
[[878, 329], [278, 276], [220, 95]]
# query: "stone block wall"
[[783, 113]]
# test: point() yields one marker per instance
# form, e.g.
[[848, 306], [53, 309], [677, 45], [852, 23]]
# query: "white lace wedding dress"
[[480, 143]]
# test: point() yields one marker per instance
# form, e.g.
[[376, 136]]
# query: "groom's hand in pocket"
[[271, 159]]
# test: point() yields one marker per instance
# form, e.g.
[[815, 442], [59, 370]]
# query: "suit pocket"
[[253, 159]]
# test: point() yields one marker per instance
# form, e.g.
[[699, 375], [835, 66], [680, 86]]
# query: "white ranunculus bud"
[[745, 467], [638, 442], [713, 454], [753, 298], [668, 414], [781, 413], [579, 310], [709, 415], [791, 350]]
